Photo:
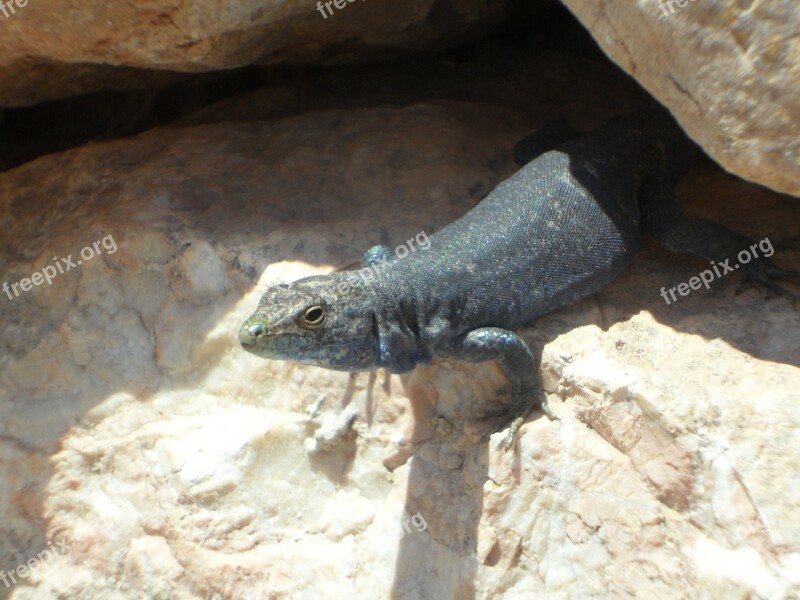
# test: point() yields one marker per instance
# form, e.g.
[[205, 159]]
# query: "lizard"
[[564, 226]]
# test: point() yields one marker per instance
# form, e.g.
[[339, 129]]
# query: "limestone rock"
[[729, 71], [163, 461], [52, 48]]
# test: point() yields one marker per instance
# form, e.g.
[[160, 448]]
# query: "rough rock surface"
[[172, 464], [52, 48], [730, 72]]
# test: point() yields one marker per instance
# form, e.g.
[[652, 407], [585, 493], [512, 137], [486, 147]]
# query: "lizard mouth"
[[354, 354], [255, 339], [249, 335]]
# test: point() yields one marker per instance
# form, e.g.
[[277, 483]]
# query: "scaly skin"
[[560, 229]]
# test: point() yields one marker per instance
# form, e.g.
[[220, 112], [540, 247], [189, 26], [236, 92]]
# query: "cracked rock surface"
[[172, 464], [729, 71]]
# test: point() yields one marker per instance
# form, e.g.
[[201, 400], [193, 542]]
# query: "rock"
[[50, 50], [730, 73], [163, 461]]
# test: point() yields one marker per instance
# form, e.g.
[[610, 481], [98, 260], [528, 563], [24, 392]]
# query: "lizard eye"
[[312, 316]]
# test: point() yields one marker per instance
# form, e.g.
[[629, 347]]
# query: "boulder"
[[143, 453], [52, 48], [729, 73]]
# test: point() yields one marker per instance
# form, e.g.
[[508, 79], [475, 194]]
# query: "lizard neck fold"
[[401, 338]]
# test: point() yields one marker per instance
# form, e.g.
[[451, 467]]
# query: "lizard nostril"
[[256, 330]]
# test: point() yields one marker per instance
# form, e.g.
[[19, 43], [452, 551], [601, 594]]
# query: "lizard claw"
[[502, 419], [507, 440], [545, 406], [761, 274]]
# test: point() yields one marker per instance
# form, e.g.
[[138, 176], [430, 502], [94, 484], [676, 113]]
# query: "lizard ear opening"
[[312, 317]]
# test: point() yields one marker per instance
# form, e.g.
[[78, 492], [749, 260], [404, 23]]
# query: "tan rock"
[[730, 72], [173, 464], [53, 48]]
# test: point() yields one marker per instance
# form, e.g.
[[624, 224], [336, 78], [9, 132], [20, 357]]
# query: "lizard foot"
[[494, 410], [761, 274], [518, 364], [513, 415], [377, 255]]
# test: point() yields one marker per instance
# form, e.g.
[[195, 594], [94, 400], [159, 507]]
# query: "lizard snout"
[[249, 334]]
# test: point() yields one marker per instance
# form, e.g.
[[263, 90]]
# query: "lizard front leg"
[[377, 255], [518, 364]]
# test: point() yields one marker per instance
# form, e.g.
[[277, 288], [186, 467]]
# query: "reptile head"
[[315, 321]]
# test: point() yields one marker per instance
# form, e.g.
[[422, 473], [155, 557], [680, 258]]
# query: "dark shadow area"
[[27, 133], [30, 132]]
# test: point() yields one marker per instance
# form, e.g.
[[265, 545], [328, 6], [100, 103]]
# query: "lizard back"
[[560, 229]]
